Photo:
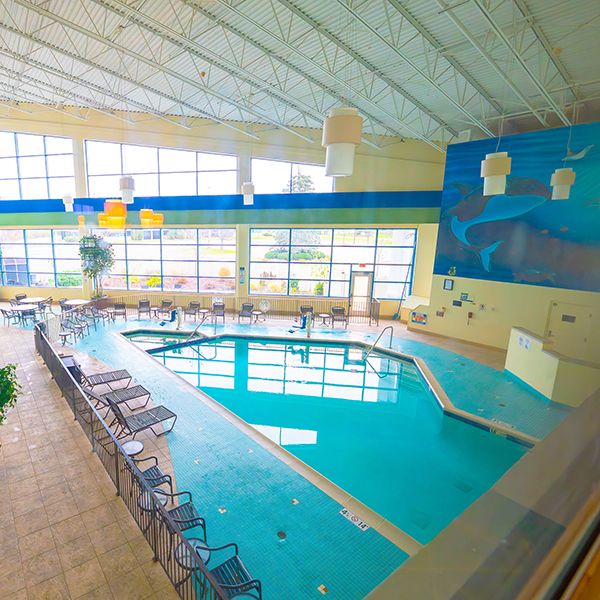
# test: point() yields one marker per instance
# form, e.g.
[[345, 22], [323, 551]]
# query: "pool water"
[[373, 429]]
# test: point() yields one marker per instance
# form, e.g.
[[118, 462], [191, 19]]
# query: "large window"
[[180, 260], [279, 177], [158, 171], [40, 257], [35, 167], [319, 262]]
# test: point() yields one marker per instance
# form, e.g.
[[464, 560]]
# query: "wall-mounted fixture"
[[341, 135]]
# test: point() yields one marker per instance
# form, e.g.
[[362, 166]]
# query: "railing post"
[[117, 472]]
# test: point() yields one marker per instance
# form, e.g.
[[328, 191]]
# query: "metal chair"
[[233, 576], [8, 315], [164, 309], [45, 306], [306, 309], [246, 311], [120, 310], [19, 297], [120, 396], [98, 314], [338, 313], [143, 307], [133, 424], [63, 306], [154, 475], [218, 310], [191, 309]]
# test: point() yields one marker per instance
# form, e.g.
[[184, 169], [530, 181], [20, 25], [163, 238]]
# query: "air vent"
[[568, 319]]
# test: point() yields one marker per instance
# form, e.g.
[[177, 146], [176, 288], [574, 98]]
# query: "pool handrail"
[[379, 337]]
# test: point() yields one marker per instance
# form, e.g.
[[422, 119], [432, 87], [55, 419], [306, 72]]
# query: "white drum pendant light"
[[127, 186], [341, 134], [494, 170], [68, 202], [248, 191], [561, 182]]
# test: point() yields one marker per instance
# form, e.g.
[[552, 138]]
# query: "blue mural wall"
[[522, 236]]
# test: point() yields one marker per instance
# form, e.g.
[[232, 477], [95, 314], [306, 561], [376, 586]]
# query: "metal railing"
[[379, 337], [189, 575], [280, 308]]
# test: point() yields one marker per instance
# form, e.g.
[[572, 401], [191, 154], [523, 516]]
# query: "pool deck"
[[248, 495]]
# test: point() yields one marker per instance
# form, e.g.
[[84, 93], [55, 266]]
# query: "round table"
[[133, 447], [324, 317], [256, 314], [145, 502], [20, 309], [204, 312], [33, 300], [184, 558], [77, 302]]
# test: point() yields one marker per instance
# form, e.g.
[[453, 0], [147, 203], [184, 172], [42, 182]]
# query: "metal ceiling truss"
[[170, 75], [400, 120]]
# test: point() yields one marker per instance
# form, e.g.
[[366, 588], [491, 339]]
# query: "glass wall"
[[180, 260], [277, 176], [158, 171], [35, 167], [40, 257], [319, 262]]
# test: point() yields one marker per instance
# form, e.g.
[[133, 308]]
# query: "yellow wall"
[[514, 305]]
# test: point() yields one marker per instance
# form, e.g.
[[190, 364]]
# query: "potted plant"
[[97, 257], [9, 389]]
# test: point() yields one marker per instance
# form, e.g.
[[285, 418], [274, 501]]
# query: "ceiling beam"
[[319, 67], [154, 65], [504, 39], [447, 10], [415, 68]]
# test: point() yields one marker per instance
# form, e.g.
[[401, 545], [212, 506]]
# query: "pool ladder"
[[379, 337]]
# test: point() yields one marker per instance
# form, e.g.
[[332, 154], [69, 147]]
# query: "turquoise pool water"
[[374, 430]]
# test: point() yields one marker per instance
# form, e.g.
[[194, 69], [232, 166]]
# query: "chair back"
[[99, 400], [118, 415], [338, 312], [193, 306], [13, 302], [144, 304], [247, 308], [120, 307], [166, 304], [19, 297], [306, 310], [218, 308]]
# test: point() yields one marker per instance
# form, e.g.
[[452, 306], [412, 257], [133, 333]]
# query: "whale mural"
[[523, 236]]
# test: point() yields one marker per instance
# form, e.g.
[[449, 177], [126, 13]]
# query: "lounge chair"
[[246, 311], [154, 474], [133, 424], [120, 396], [108, 378], [338, 313], [218, 310], [233, 576], [191, 309], [143, 308]]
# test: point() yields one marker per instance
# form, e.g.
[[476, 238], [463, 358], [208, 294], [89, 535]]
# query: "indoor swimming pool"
[[372, 428]]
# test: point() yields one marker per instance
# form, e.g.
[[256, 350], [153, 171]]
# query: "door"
[[569, 329], [361, 289]]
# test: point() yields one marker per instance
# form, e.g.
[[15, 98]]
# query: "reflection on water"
[[371, 428]]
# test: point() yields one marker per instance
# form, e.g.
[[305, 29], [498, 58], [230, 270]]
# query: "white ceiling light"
[[341, 135], [494, 170], [561, 182], [248, 191], [127, 187], [68, 202]]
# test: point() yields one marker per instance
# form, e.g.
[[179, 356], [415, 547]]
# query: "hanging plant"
[[9, 389], [97, 258]]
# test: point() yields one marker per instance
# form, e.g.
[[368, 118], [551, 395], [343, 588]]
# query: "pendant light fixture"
[[68, 202], [341, 135], [561, 182], [248, 191], [494, 170], [127, 187]]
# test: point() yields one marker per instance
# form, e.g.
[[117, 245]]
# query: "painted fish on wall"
[[570, 156], [521, 196], [534, 275]]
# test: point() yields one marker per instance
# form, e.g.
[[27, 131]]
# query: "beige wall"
[[507, 305]]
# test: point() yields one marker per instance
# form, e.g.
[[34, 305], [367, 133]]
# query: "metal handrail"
[[378, 338]]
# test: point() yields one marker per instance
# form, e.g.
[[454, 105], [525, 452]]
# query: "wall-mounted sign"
[[448, 284], [420, 318], [456, 303], [439, 313], [464, 297], [354, 519]]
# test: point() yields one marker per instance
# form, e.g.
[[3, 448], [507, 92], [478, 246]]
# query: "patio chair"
[[154, 474], [98, 314], [133, 424], [185, 514], [73, 324], [65, 333], [338, 313], [191, 309], [120, 310], [246, 311], [45, 306], [80, 318], [233, 576], [63, 306], [27, 315], [107, 378], [164, 310], [19, 297], [13, 302], [9, 315], [143, 308], [306, 309], [120, 396], [218, 310]]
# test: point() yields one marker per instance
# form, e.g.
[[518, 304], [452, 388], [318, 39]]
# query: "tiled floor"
[[64, 534]]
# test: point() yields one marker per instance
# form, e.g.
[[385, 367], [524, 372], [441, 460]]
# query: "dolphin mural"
[[521, 196], [534, 275], [577, 155], [595, 202]]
